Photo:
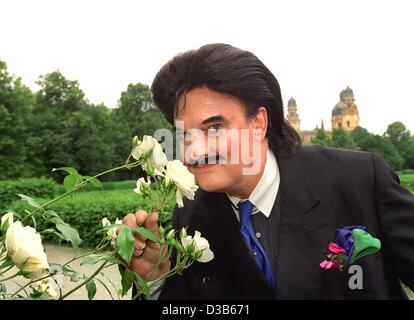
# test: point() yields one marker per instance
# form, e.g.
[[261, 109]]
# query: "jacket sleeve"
[[395, 206]]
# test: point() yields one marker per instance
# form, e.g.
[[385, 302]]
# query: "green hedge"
[[35, 188], [111, 185], [407, 180], [120, 185], [46, 188], [85, 210]]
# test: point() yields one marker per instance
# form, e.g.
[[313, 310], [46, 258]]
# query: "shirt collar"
[[264, 194]]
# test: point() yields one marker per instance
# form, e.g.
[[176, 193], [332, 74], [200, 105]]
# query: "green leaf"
[[3, 288], [142, 284], [91, 288], [92, 259], [55, 268], [56, 218], [197, 255], [34, 222], [112, 259], [6, 264], [69, 234], [74, 277], [125, 244], [94, 181], [71, 181], [35, 295], [69, 170], [23, 273], [30, 200], [68, 269], [127, 281], [147, 234], [53, 231]]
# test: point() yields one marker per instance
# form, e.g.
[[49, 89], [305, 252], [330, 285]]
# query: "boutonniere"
[[351, 244]]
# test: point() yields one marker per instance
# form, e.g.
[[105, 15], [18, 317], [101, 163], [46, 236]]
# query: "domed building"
[[345, 113], [292, 114]]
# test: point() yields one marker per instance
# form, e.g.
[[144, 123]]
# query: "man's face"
[[218, 134]]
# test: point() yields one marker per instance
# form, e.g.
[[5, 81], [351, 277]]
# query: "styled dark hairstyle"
[[226, 69]]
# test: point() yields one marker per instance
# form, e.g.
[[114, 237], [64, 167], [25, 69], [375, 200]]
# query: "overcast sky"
[[315, 48]]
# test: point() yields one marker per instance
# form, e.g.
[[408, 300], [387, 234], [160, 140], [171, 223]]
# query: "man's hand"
[[146, 252]]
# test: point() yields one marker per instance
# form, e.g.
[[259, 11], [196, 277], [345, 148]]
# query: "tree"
[[386, 149], [16, 102], [365, 140], [133, 103], [401, 138], [90, 131], [379, 145], [342, 139], [57, 99], [321, 138]]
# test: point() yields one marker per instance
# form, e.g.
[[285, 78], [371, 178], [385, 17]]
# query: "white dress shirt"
[[264, 194]]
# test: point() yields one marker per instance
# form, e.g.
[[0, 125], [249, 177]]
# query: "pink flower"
[[328, 265], [335, 249]]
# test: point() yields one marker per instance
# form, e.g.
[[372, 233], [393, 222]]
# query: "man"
[[270, 230]]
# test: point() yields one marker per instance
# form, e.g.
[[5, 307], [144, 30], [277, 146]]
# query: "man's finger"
[[140, 217], [152, 224], [130, 221]]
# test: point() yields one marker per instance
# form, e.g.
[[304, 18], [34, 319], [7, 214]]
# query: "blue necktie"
[[246, 228]]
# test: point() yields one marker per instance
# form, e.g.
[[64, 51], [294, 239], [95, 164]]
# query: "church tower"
[[292, 114], [345, 113]]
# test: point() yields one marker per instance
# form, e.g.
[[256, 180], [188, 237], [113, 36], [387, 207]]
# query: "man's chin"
[[211, 186]]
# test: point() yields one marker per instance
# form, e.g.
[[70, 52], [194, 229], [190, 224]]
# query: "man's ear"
[[260, 124]]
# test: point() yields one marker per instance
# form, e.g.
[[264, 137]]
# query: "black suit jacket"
[[322, 189]]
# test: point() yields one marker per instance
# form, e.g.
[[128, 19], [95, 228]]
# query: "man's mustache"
[[209, 159]]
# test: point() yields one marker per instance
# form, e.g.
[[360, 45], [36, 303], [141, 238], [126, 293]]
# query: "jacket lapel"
[[304, 232]]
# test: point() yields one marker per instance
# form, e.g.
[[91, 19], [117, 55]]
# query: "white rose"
[[106, 222], [141, 182], [143, 148], [6, 221], [199, 243], [25, 249], [112, 231], [158, 160], [178, 173]]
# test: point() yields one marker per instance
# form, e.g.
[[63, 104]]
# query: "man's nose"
[[196, 150]]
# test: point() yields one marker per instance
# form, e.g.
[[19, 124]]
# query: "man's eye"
[[215, 127]]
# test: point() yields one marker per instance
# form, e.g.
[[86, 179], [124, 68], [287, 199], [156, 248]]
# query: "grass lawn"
[[407, 179]]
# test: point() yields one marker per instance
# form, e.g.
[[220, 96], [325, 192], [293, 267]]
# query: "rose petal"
[[334, 248]]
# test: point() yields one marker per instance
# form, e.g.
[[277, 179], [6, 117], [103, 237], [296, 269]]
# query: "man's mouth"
[[203, 167], [206, 163]]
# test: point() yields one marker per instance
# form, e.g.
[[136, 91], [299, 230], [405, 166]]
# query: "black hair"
[[226, 69]]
